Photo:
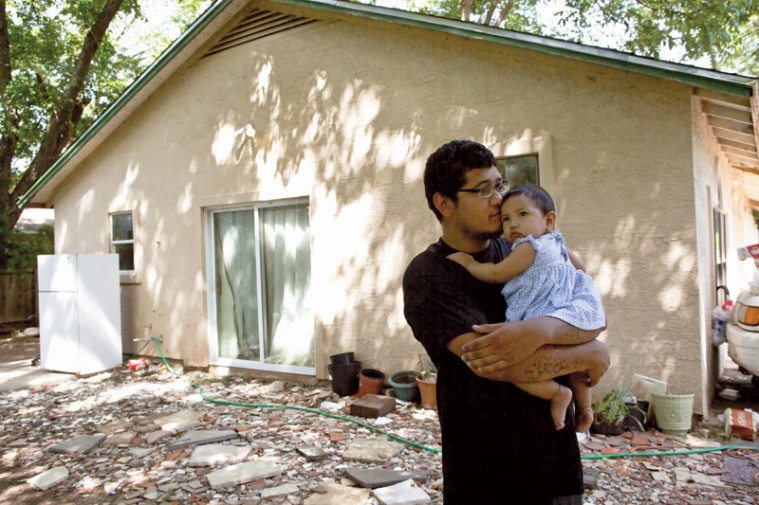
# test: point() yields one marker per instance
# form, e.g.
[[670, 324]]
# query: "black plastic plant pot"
[[344, 358], [345, 378]]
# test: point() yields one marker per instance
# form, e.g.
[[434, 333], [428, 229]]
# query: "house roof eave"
[[693, 76], [153, 76]]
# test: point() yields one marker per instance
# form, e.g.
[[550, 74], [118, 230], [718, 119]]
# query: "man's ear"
[[443, 204], [551, 220]]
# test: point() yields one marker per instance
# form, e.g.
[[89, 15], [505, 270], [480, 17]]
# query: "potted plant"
[[427, 381], [609, 413]]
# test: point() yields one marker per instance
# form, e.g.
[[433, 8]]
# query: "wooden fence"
[[18, 296]]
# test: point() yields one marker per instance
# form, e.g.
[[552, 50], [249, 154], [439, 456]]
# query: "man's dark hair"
[[446, 169], [538, 195]]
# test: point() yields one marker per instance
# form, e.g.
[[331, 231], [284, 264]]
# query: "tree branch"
[[64, 118], [489, 12], [465, 8], [505, 10], [9, 138]]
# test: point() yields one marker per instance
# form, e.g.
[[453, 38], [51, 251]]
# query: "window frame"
[[526, 143], [503, 158], [213, 336], [125, 276]]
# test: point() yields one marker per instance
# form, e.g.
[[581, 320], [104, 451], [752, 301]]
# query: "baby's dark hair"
[[538, 195]]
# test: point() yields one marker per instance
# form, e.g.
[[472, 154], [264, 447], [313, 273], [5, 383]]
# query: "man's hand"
[[502, 345]]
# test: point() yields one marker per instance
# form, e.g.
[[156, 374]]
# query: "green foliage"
[[23, 248], [612, 409], [41, 66], [743, 56], [699, 27], [45, 39], [726, 31], [520, 15]]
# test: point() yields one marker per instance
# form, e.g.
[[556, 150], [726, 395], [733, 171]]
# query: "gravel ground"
[[136, 464]]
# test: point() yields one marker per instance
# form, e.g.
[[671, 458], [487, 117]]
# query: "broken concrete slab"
[[199, 437], [155, 436], [590, 477], [179, 421], [371, 450], [80, 444], [337, 493], [115, 427], [140, 452], [682, 475], [122, 438], [241, 473], [380, 477], [372, 406], [661, 477], [739, 470], [49, 478], [272, 389], [283, 490], [312, 453], [709, 480], [218, 454], [32, 331], [403, 493]]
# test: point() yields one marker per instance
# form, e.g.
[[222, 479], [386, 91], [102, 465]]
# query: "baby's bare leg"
[[582, 398], [558, 395]]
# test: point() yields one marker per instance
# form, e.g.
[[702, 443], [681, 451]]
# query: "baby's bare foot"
[[559, 404], [584, 419]]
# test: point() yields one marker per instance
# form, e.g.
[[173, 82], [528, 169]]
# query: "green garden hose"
[[411, 442]]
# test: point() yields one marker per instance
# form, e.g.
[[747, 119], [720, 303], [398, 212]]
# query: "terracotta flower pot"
[[428, 391], [370, 382]]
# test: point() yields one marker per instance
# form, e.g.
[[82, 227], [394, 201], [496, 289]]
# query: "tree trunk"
[[505, 10], [63, 120], [8, 139], [465, 8], [489, 13], [61, 124]]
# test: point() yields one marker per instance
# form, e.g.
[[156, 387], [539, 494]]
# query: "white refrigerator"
[[80, 312]]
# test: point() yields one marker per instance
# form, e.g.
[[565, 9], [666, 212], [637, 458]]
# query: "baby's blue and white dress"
[[552, 286]]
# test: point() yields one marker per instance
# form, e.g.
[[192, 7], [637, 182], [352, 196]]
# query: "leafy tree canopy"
[[62, 62], [725, 32]]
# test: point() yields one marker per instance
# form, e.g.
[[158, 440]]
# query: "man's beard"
[[482, 236]]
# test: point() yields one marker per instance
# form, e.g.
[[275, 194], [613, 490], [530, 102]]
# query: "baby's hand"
[[461, 258]]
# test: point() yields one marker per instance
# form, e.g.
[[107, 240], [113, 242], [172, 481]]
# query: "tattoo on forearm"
[[573, 334], [547, 367]]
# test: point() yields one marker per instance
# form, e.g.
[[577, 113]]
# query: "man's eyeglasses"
[[487, 190]]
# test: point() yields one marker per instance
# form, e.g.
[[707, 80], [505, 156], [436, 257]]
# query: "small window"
[[517, 170], [122, 240]]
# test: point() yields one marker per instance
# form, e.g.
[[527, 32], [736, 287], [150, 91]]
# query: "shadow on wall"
[[365, 148]]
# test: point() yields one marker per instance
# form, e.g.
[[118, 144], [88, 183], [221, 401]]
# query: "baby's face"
[[521, 217]]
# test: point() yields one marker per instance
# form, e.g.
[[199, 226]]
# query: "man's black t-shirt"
[[499, 443]]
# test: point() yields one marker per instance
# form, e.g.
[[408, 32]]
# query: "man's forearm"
[[551, 361], [562, 333]]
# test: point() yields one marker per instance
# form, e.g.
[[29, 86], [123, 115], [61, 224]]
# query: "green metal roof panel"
[[686, 74]]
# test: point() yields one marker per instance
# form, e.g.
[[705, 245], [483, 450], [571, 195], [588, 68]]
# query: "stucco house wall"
[[349, 128]]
